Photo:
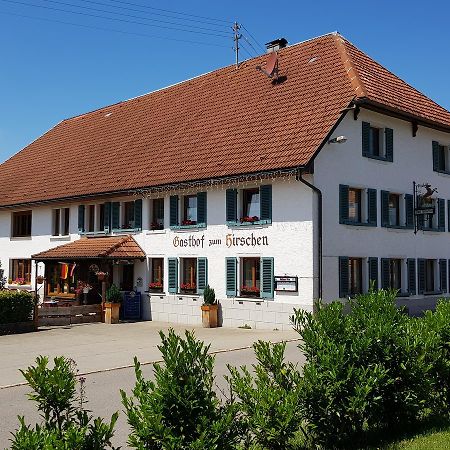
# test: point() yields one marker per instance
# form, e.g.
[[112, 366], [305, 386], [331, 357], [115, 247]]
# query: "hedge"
[[16, 306]]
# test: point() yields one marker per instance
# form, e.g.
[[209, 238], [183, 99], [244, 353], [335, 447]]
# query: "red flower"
[[250, 289], [188, 222], [155, 285], [188, 286], [249, 219]]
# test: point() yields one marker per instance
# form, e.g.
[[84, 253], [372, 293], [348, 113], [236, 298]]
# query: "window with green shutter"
[[202, 274], [441, 214], [421, 275], [172, 275], [107, 218], [81, 225], [409, 211], [138, 214], [411, 265], [174, 214], [267, 277], [115, 215], [231, 206], [343, 203], [374, 145], [343, 277], [351, 201], [372, 206], [443, 275], [231, 277], [373, 272], [385, 273], [201, 208], [266, 202], [441, 159]]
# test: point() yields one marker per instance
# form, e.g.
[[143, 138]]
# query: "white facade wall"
[[344, 164], [289, 241]]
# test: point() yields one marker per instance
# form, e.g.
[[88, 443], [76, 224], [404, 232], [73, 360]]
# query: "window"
[[354, 205], [394, 209], [377, 142], [61, 222], [91, 219], [101, 217], [357, 206], [20, 271], [251, 209], [441, 160], [190, 210], [429, 275], [21, 224], [250, 277], [157, 222], [395, 274], [188, 275], [128, 215], [375, 147], [355, 276], [156, 274]]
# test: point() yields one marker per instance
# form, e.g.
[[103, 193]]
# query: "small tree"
[[180, 409], [66, 424]]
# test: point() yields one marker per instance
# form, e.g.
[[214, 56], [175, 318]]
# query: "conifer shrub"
[[180, 409]]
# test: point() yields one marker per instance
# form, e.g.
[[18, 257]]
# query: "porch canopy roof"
[[113, 247]]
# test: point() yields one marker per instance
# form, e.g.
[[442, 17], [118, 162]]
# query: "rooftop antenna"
[[237, 36]]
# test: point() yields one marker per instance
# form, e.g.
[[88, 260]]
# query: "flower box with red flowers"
[[156, 226], [188, 287], [248, 219], [188, 222], [155, 286], [251, 291]]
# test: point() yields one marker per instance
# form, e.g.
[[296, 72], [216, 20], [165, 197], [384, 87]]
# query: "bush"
[[366, 370], [180, 409], [16, 306], [269, 401], [66, 424]]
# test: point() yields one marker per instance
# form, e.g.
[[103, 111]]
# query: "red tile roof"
[[115, 247], [227, 122]]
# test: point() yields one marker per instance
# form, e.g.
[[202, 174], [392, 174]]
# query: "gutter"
[[316, 190]]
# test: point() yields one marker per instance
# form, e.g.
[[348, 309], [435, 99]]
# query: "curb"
[[146, 363]]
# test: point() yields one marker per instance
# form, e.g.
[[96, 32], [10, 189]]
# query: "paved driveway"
[[99, 347]]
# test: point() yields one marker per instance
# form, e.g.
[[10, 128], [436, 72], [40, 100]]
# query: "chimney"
[[275, 45]]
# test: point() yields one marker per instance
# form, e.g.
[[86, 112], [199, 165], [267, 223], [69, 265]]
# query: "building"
[[275, 186]]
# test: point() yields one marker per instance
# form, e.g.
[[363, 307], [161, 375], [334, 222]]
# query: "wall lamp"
[[338, 140]]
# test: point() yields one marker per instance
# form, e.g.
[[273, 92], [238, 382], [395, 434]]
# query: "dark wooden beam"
[[415, 127]]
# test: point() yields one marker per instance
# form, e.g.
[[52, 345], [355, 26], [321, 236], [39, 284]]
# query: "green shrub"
[[365, 370], [2, 278], [16, 306], [269, 400], [180, 409], [113, 294], [66, 424], [209, 296]]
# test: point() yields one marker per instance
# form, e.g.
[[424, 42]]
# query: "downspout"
[[319, 219]]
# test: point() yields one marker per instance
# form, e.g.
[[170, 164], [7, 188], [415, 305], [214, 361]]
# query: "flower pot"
[[101, 276], [112, 313], [209, 316]]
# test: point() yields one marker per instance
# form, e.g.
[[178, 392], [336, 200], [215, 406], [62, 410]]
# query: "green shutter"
[[231, 205], [174, 210], [389, 144], [443, 275], [365, 138], [372, 206], [384, 208], [385, 273], [409, 211], [107, 220], [172, 275], [343, 277], [265, 197], [138, 214], [201, 208], [441, 214], [115, 215], [231, 276], [202, 274], [266, 278], [411, 263], [421, 275], [436, 156], [81, 227], [343, 203], [448, 215], [373, 273], [420, 222]]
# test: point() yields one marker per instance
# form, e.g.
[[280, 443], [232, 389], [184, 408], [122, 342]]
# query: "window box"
[[156, 226], [250, 291], [187, 227]]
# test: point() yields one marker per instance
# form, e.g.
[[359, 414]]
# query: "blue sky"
[[52, 70]]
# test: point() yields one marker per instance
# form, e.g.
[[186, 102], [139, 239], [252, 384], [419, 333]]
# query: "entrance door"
[[127, 283]]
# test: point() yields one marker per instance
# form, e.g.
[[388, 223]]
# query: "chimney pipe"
[[276, 45]]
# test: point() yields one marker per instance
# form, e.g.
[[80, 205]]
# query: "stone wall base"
[[233, 312]]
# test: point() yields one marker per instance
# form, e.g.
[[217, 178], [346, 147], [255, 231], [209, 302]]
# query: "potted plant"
[[112, 305], [209, 308]]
